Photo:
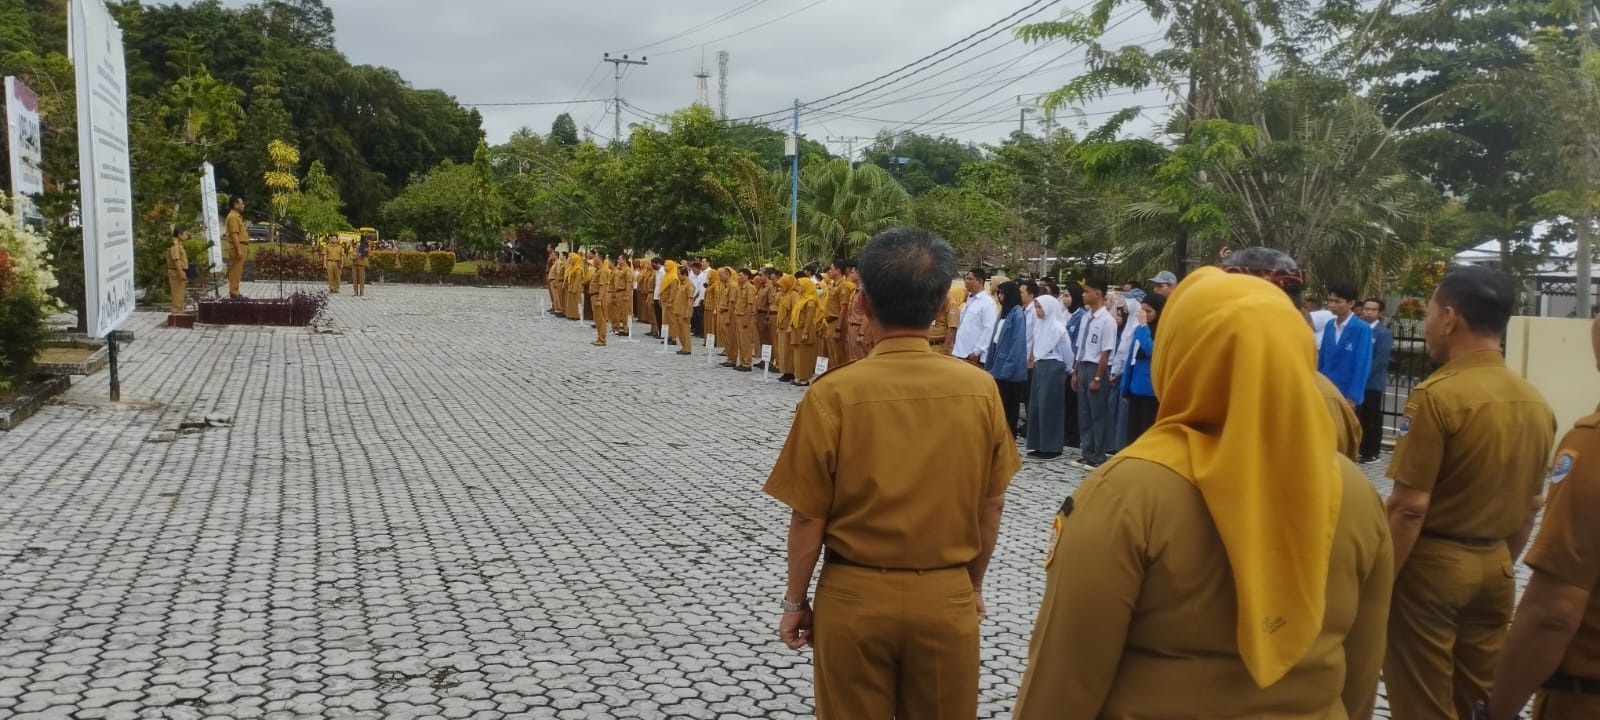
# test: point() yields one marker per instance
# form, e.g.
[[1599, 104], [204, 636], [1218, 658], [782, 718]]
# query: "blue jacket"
[[1382, 345], [1136, 378], [1008, 356], [1347, 360]]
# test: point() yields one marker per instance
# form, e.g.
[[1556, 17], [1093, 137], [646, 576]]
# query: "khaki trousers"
[[1452, 605], [780, 352], [1549, 705], [177, 286], [804, 358], [744, 334], [834, 345], [235, 275], [333, 276], [599, 305], [678, 329], [359, 277], [574, 306], [895, 644], [617, 311]]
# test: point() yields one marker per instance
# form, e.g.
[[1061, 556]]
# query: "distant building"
[[1553, 288]]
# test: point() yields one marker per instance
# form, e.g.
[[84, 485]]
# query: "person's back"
[[1183, 630], [899, 396]]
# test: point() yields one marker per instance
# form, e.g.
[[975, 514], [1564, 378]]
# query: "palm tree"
[[841, 207]]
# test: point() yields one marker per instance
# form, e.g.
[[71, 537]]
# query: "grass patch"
[[465, 268]]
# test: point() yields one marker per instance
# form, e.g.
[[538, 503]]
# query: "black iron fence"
[[1409, 364]]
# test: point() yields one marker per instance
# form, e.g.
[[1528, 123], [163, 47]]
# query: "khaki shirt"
[[333, 253], [177, 260], [599, 282], [1346, 426], [766, 298], [1568, 546], [647, 283], [1477, 438], [743, 300], [844, 460], [235, 235], [833, 303], [683, 298], [1139, 617], [621, 279]]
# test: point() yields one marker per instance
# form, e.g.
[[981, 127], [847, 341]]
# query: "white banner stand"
[[539, 315], [665, 348], [630, 338], [766, 364], [711, 343], [581, 318], [822, 366]]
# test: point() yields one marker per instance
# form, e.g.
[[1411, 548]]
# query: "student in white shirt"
[[1047, 392], [699, 275], [978, 320], [1097, 340]]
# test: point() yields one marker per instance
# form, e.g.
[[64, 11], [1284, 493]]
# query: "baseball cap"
[[1165, 277]]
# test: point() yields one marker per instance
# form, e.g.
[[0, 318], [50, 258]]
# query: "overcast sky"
[[520, 51]]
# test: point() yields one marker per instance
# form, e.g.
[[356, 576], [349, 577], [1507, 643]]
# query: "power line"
[[741, 32], [530, 103], [1035, 6], [702, 26]]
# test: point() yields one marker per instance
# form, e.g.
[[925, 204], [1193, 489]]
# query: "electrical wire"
[[702, 26], [741, 32]]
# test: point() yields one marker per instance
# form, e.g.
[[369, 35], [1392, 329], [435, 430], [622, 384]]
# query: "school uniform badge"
[[1405, 426], [1563, 466], [1055, 530]]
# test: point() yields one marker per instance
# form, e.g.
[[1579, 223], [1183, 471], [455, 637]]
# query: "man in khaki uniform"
[[908, 535], [621, 295], [237, 239], [834, 305], [178, 270], [742, 302], [333, 260], [1554, 643], [599, 292], [766, 283], [1468, 470]]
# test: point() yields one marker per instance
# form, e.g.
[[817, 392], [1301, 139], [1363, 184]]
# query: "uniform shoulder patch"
[[1055, 530], [1563, 466], [1404, 426]]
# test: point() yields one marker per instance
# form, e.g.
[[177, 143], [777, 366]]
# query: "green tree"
[[564, 131], [316, 208], [928, 161], [481, 211], [841, 207]]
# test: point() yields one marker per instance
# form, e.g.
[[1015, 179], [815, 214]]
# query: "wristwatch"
[[1097, 378], [792, 606]]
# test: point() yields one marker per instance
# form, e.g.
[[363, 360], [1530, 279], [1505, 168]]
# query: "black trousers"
[[1012, 395], [697, 321], [661, 320], [1371, 413], [1141, 415]]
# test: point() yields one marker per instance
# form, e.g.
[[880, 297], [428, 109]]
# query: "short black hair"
[[905, 272], [978, 272], [178, 230], [235, 200], [657, 260], [1346, 290], [1378, 300], [1031, 286], [745, 272], [1483, 297], [1097, 284], [845, 265]]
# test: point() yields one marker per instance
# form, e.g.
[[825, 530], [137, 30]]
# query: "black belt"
[[1562, 682], [834, 558], [1468, 541]]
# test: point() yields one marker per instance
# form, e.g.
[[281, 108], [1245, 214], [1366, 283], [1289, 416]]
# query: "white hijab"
[[1047, 331]]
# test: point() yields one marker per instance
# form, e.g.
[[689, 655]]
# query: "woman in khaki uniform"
[[645, 310], [620, 301], [1230, 563], [178, 270], [783, 326], [807, 327], [669, 295], [574, 284], [711, 306], [358, 266]]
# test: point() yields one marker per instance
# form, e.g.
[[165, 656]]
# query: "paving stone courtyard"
[[440, 504]]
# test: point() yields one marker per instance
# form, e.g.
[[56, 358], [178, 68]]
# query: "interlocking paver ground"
[[438, 504]]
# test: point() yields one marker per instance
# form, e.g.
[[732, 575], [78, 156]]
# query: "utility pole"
[[722, 84], [1583, 289], [794, 192], [850, 146], [616, 90]]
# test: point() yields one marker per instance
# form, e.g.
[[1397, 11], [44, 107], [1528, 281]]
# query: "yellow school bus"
[[371, 236]]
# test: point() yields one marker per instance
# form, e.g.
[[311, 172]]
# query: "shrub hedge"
[[291, 264], [441, 262], [413, 262], [383, 262]]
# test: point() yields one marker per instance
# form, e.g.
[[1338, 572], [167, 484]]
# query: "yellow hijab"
[[1241, 418], [670, 278], [785, 283], [808, 296], [574, 268], [714, 279]]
